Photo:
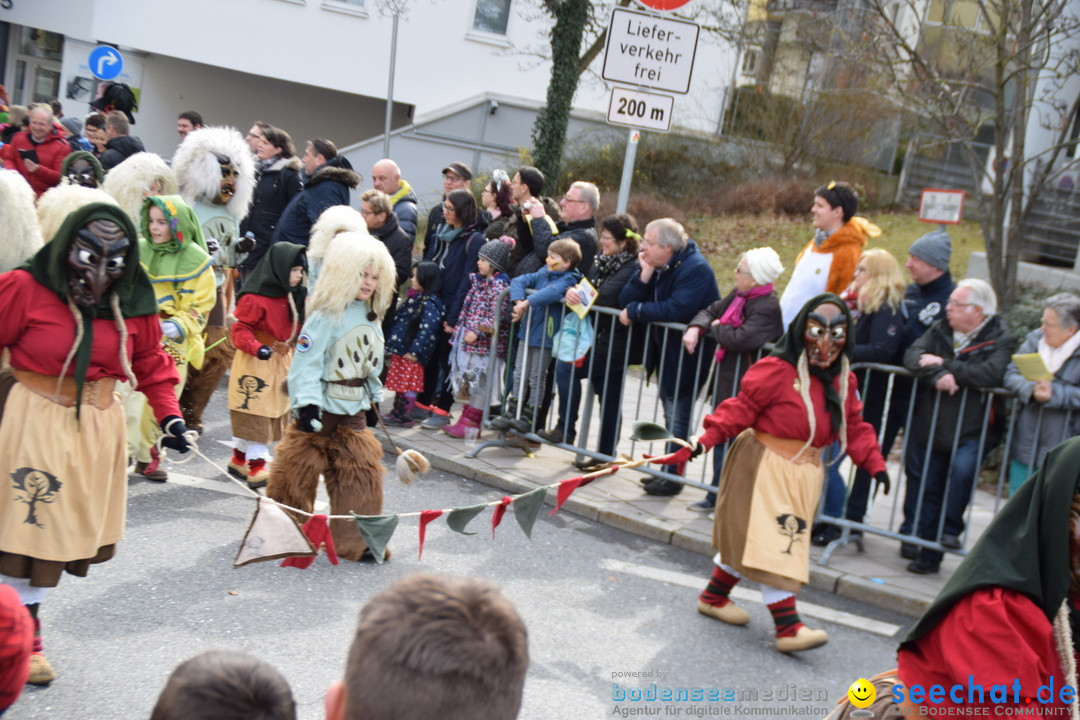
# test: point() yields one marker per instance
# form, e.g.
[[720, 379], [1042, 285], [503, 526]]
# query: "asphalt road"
[[602, 607]]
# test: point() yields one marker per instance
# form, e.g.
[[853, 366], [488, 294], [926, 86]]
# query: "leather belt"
[[98, 393], [351, 382], [790, 448]]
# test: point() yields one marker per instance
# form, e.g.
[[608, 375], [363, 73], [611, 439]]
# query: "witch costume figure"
[[79, 316], [268, 318], [1006, 621], [333, 381], [791, 405]]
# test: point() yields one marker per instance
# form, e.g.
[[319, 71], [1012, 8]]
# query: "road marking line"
[[858, 622]]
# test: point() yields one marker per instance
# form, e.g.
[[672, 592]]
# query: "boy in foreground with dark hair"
[[434, 647], [225, 685]]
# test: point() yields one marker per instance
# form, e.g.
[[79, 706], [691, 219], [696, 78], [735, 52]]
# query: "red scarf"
[[735, 312]]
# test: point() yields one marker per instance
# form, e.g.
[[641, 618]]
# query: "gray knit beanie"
[[497, 252], [934, 247], [73, 125]]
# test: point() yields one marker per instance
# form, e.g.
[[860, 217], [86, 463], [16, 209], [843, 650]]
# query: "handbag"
[[574, 339]]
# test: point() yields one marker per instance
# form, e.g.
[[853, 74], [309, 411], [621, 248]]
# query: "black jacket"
[[923, 304], [328, 186], [979, 365], [399, 244], [582, 231], [119, 149], [274, 188]]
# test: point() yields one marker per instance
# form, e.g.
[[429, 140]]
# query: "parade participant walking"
[[216, 175], [416, 327], [333, 381], [268, 318], [79, 316], [791, 406], [171, 252]]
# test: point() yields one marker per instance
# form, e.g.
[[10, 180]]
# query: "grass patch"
[[724, 238]]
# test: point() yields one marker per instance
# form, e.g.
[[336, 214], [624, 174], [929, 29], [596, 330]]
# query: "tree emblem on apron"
[[249, 386], [33, 487], [791, 526]]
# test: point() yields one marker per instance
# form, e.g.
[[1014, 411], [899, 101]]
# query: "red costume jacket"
[[264, 314], [39, 329], [768, 401]]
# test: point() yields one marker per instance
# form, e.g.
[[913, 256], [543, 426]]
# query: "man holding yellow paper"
[[1050, 412]]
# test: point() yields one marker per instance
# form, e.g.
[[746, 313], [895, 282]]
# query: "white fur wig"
[[334, 219], [349, 254], [57, 203], [20, 236], [198, 170], [133, 179]]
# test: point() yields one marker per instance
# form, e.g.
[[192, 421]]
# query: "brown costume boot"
[[354, 482]]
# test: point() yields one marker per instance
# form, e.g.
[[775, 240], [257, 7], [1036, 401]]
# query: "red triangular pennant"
[[317, 530], [425, 517], [566, 488], [497, 515]]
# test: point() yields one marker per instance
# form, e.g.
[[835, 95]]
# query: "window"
[[749, 61], [492, 16]]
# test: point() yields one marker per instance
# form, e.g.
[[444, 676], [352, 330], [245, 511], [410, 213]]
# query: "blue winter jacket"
[[327, 186], [417, 323], [545, 305]]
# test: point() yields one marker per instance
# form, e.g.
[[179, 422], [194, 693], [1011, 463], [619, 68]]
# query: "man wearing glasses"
[[966, 351], [578, 223]]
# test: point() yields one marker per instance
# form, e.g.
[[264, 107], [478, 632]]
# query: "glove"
[[175, 430], [307, 418], [213, 245], [264, 352], [247, 243], [170, 330], [883, 484], [680, 456]]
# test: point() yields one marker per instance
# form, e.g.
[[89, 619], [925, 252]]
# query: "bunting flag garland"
[[459, 518], [273, 534], [377, 531], [527, 507], [425, 517], [498, 512], [317, 530]]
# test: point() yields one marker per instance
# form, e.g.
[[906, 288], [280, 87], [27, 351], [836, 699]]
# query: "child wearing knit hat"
[[472, 374]]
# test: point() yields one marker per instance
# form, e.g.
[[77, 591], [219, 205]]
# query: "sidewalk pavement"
[[876, 576]]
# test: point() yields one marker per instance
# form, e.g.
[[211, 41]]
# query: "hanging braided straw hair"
[[20, 236], [197, 164], [57, 203], [334, 220], [136, 177]]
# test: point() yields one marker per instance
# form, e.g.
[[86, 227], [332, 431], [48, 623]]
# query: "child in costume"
[[545, 318], [78, 317], [269, 313], [417, 323], [474, 335], [333, 381], [172, 253]]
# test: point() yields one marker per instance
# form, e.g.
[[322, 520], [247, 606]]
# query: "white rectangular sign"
[[645, 110], [941, 206], [651, 52]]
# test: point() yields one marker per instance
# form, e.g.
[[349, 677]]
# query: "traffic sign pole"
[[627, 170]]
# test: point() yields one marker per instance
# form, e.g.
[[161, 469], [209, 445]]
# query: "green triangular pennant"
[[377, 531], [646, 431], [458, 518], [527, 507]]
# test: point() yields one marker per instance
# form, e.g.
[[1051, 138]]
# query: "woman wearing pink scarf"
[[741, 324]]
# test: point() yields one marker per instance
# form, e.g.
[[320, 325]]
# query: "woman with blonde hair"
[[877, 300]]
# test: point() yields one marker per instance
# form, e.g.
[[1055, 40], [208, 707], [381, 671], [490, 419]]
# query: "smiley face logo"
[[861, 693]]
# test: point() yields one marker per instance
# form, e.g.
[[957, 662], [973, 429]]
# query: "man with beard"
[[216, 174]]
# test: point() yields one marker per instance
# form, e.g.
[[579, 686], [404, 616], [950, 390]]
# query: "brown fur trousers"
[[350, 462], [202, 383]]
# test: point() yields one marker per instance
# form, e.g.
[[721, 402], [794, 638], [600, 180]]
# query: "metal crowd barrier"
[[696, 384]]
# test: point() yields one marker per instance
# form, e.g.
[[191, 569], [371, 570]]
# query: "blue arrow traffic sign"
[[106, 62]]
